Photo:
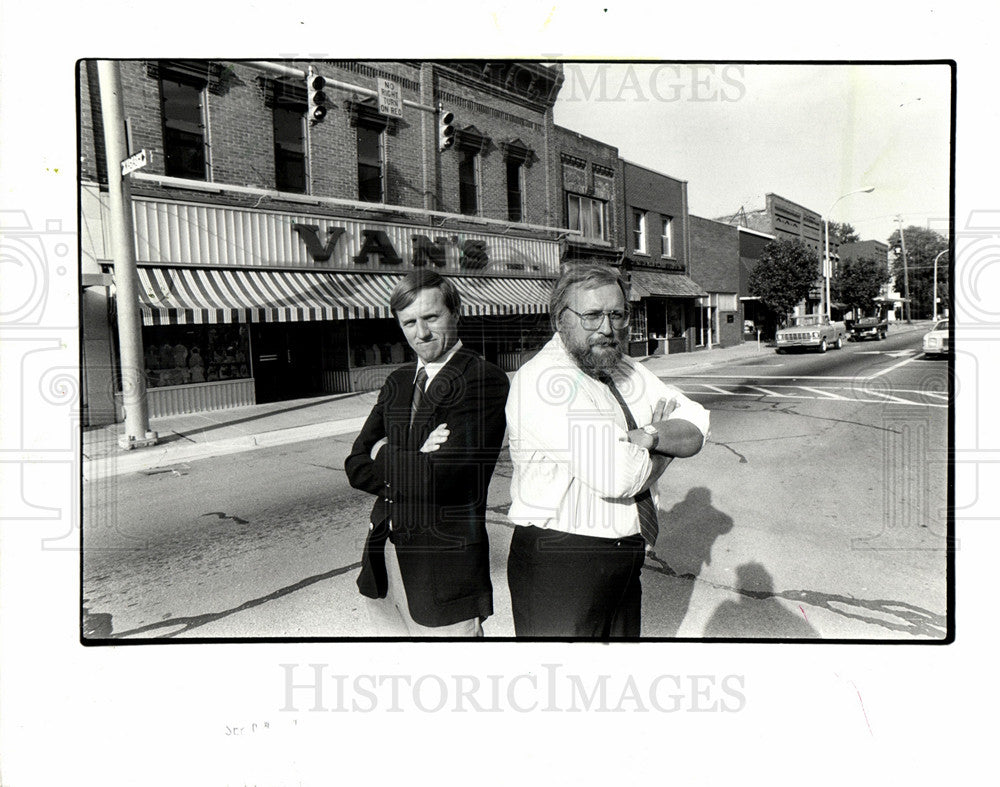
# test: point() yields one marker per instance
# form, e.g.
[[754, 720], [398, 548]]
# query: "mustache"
[[603, 341]]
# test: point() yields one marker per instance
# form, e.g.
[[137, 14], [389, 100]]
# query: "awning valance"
[[180, 296], [670, 285]]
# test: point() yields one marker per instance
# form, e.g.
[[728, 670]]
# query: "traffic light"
[[317, 98], [446, 128]]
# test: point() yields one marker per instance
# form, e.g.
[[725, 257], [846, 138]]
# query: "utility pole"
[[906, 273], [137, 433], [935, 299]]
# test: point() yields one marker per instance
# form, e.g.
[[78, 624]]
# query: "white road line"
[[820, 398], [766, 391], [890, 397], [719, 390], [822, 393], [935, 394], [911, 359]]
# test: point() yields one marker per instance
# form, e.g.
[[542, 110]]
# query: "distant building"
[[716, 266], [876, 250], [783, 219]]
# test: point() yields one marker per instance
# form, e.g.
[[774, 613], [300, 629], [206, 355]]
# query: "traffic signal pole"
[[126, 278]]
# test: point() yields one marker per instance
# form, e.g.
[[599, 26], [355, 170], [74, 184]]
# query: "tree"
[[785, 274], [858, 282], [843, 233], [922, 246]]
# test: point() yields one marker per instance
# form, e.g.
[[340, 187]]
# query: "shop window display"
[[187, 354]]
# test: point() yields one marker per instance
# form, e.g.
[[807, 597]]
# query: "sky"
[[811, 133]]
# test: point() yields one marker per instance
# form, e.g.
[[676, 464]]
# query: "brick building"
[[667, 302], [783, 220], [891, 299], [716, 266], [267, 244]]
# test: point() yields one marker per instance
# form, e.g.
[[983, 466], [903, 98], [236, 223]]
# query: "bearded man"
[[583, 495]]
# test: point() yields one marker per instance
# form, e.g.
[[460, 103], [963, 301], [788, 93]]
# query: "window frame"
[[380, 145], [667, 237], [470, 155], [639, 231], [518, 166], [591, 203], [171, 151], [299, 111]]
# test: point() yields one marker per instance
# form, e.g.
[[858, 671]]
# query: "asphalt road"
[[817, 509]]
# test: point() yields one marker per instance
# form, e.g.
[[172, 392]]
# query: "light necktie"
[[649, 526], [418, 392]]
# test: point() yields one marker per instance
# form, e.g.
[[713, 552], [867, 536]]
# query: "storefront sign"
[[186, 234], [377, 248]]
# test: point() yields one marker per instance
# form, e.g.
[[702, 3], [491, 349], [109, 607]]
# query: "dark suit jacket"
[[437, 500]]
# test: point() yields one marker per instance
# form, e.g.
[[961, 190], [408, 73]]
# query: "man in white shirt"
[[583, 486]]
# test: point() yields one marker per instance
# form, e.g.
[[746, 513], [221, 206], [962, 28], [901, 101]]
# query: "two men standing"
[[584, 473]]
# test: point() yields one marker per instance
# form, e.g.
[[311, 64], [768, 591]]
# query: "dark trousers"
[[564, 585]]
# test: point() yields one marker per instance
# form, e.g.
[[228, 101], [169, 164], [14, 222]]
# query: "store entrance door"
[[286, 360]]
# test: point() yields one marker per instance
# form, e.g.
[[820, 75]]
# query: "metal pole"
[[906, 272], [826, 262], [935, 282], [137, 432]]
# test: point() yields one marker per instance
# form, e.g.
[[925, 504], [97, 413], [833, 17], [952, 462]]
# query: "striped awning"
[[181, 296]]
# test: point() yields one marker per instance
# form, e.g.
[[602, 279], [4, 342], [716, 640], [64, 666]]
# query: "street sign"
[[136, 161], [390, 98]]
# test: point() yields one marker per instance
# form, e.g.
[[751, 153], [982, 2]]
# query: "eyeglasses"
[[591, 321]]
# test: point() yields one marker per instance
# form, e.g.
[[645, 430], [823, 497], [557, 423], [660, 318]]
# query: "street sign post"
[[390, 98], [136, 161]]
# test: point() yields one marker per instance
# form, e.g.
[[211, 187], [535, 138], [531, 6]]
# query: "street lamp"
[[935, 281], [827, 266]]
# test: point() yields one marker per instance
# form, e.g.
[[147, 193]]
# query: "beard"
[[600, 354]]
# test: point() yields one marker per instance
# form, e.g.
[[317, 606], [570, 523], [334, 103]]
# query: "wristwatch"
[[654, 433]]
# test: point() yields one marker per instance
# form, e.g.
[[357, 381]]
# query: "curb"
[[153, 458]]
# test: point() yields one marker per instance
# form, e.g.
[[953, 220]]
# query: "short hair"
[[586, 275], [405, 293]]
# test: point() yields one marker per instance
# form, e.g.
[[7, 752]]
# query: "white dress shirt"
[[436, 366], [574, 469]]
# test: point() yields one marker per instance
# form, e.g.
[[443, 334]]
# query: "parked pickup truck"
[[811, 331], [868, 328]]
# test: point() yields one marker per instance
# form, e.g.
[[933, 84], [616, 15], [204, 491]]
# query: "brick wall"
[[659, 196]]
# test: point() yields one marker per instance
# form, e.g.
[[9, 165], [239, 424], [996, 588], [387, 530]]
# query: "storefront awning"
[[670, 285], [180, 296]]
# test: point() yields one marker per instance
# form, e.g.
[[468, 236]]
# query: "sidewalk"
[[185, 438]]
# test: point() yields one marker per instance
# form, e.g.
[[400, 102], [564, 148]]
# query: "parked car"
[[868, 328], [936, 340], [813, 331]]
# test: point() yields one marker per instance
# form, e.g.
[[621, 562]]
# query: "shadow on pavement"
[[758, 613]]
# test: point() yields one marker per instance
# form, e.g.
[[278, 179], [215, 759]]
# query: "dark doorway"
[[287, 360]]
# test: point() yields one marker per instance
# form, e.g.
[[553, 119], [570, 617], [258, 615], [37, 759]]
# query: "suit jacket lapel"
[[439, 391]]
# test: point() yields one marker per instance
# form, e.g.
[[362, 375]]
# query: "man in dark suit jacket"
[[427, 452]]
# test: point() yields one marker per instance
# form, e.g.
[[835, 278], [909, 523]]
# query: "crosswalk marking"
[[765, 391], [861, 396], [890, 397], [822, 393]]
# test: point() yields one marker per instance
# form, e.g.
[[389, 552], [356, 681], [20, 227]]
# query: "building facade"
[[670, 309], [716, 266], [267, 241]]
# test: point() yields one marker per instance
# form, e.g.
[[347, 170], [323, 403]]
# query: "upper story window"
[[370, 164], [639, 231], [468, 181], [667, 237], [588, 215], [290, 149], [517, 158], [184, 123], [515, 190]]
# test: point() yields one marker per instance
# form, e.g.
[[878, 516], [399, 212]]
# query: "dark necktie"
[[648, 524], [418, 392]]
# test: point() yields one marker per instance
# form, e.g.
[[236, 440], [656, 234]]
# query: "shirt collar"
[[436, 366]]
